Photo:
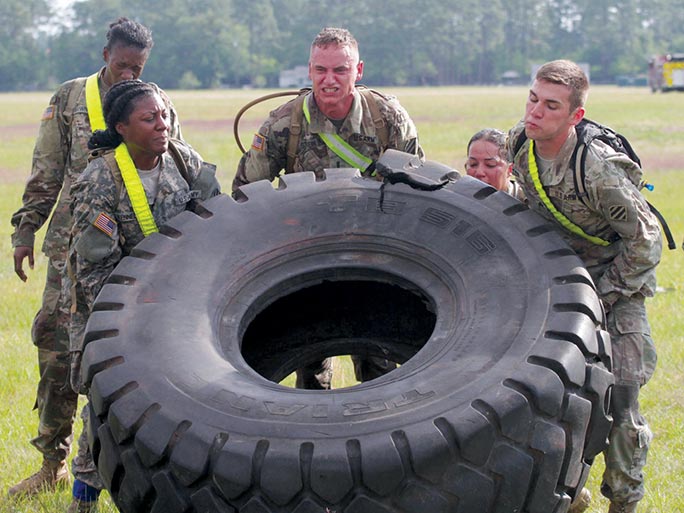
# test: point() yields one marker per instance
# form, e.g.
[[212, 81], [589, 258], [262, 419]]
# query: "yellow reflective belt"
[[340, 147], [94, 104], [562, 219], [135, 190]]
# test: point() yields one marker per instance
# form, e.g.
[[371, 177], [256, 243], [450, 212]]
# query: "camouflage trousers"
[[634, 361], [83, 466], [318, 375], [56, 402]]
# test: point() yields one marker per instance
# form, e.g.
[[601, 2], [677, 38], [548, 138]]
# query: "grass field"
[[446, 118]]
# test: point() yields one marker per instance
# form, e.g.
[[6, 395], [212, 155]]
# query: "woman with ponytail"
[[137, 180]]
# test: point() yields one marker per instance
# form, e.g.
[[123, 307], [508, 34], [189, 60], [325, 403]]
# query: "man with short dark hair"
[[614, 232], [335, 125]]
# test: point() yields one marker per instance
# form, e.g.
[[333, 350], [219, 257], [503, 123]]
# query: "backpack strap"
[[183, 169], [108, 155], [295, 129], [180, 162], [296, 116], [579, 158], [519, 143], [379, 123]]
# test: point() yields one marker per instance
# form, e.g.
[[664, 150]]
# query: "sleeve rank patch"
[[258, 142], [105, 224], [49, 113]]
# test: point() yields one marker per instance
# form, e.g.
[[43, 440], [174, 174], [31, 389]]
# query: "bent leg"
[[315, 376]]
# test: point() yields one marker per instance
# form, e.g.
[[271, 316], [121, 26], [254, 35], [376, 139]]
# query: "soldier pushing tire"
[[499, 403]]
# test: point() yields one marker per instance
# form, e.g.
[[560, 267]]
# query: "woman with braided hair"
[[137, 180], [60, 155]]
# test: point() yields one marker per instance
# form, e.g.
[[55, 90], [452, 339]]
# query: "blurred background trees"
[[246, 43]]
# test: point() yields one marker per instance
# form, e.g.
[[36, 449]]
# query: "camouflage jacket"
[[59, 156], [617, 212], [515, 190], [99, 194], [267, 156]]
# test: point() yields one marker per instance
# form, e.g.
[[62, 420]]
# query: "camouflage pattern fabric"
[[315, 376], [82, 466], [318, 375], [56, 402], [59, 156], [267, 156], [624, 274], [98, 194], [515, 190], [634, 361], [619, 213]]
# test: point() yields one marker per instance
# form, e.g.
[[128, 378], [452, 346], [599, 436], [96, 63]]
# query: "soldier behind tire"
[[487, 161], [59, 156], [338, 129]]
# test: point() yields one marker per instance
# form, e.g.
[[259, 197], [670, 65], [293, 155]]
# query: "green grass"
[[446, 118]]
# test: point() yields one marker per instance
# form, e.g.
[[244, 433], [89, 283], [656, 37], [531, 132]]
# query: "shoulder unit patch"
[[618, 213]]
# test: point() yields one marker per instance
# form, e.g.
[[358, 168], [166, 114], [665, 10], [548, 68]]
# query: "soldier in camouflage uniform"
[[335, 110], [106, 227], [623, 268], [60, 155], [487, 161]]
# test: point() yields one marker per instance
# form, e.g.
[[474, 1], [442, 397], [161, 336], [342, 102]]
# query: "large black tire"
[[500, 404]]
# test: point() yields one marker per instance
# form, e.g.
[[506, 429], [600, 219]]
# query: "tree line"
[[238, 43]]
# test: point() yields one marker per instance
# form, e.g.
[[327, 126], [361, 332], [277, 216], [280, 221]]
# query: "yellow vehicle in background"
[[666, 72]]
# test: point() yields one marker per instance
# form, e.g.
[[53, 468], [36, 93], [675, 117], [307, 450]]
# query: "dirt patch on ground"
[[14, 131], [221, 124], [662, 162]]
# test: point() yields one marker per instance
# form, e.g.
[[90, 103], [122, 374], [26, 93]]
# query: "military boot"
[[51, 474], [623, 507], [581, 503], [78, 506]]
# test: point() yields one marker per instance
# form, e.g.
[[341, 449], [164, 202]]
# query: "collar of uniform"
[[555, 175], [321, 124]]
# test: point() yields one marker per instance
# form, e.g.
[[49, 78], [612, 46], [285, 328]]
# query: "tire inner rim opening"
[[389, 319]]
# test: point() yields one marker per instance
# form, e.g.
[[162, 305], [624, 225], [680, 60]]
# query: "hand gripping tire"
[[499, 405]]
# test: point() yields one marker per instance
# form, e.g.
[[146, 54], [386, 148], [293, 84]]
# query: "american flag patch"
[[258, 142], [49, 113], [105, 223]]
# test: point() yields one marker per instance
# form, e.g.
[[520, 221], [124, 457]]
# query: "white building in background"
[[296, 77]]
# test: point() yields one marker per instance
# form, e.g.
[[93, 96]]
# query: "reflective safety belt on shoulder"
[[562, 219], [340, 147], [94, 103], [135, 190]]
